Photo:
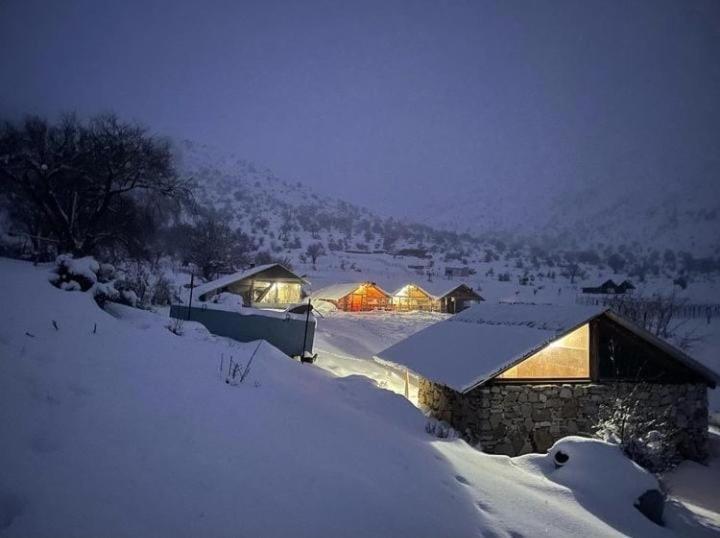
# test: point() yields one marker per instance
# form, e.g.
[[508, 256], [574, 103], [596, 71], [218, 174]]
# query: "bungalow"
[[451, 272], [264, 286], [434, 297], [625, 286], [609, 287], [354, 296], [517, 377]]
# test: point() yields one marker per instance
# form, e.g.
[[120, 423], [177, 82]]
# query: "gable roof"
[[226, 280], [437, 289], [338, 291], [481, 342]]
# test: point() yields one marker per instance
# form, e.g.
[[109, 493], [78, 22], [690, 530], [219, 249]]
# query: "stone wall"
[[517, 419]]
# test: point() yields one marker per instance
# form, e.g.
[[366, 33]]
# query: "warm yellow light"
[[565, 358]]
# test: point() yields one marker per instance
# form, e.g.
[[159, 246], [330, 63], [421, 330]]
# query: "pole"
[[307, 322], [192, 287]]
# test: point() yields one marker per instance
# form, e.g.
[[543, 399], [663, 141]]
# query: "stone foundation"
[[517, 419]]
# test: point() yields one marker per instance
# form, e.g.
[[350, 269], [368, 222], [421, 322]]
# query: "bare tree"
[[80, 183], [656, 314], [215, 248], [315, 250]]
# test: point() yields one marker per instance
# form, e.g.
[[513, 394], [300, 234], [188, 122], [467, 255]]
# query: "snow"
[[113, 426], [346, 342], [86, 267], [477, 343], [698, 485]]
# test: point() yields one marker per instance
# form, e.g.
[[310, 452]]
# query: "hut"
[[517, 377], [413, 297], [264, 286], [354, 296], [609, 287], [455, 298], [625, 286], [436, 297], [451, 272]]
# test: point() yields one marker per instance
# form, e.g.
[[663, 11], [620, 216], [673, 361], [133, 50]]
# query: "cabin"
[[412, 297], [454, 272], [609, 287], [265, 286], [625, 286], [354, 296], [517, 377], [434, 297], [455, 298]]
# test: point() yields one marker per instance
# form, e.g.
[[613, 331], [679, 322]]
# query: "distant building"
[[517, 377], [452, 272], [609, 287], [625, 286], [436, 297], [354, 296], [264, 286]]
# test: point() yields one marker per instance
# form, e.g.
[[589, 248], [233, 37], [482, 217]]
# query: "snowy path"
[[346, 342]]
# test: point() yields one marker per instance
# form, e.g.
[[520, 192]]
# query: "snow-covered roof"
[[479, 343], [338, 291], [226, 280], [436, 289]]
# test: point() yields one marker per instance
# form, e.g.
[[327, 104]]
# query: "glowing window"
[[565, 358], [277, 292]]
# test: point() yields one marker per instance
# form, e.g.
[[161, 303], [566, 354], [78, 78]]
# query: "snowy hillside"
[[114, 426], [679, 217]]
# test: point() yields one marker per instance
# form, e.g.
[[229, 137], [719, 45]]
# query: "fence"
[[680, 310], [285, 333]]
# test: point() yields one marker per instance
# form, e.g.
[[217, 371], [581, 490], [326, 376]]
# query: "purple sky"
[[391, 103]]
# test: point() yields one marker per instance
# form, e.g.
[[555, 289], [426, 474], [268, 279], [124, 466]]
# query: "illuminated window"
[[411, 297], [277, 292], [566, 358]]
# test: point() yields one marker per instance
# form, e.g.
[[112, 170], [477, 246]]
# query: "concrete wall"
[[517, 419], [285, 334]]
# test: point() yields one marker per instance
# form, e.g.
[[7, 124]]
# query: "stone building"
[[517, 377]]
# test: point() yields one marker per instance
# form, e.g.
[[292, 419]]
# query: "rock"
[[565, 393], [652, 505], [540, 415], [543, 440]]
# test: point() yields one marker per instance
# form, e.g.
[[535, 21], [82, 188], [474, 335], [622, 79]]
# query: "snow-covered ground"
[[113, 426]]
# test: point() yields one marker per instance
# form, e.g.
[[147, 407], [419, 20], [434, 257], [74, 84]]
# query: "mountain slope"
[[678, 217]]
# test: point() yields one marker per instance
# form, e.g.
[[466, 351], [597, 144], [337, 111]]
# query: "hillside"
[[658, 235], [114, 426], [679, 217], [286, 217]]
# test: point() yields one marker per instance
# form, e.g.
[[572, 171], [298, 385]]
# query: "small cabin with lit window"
[[354, 296], [435, 297], [516, 377], [265, 286]]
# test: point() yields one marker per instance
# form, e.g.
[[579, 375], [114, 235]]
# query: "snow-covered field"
[[113, 426]]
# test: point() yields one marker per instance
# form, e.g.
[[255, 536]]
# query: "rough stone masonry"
[[516, 419]]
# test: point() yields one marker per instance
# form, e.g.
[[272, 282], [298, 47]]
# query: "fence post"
[[192, 287], [307, 322]]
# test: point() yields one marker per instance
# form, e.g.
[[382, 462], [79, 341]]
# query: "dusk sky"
[[391, 103]]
